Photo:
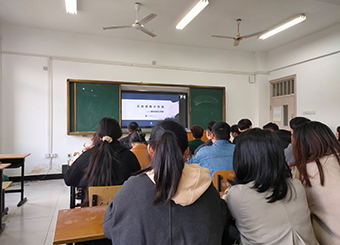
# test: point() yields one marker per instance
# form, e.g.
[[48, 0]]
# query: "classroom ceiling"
[[218, 18]]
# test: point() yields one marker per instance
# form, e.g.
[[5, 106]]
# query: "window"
[[283, 87], [285, 115]]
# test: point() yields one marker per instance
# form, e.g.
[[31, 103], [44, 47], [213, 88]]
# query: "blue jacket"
[[218, 156]]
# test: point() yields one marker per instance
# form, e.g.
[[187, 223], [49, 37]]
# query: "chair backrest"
[[6, 184], [221, 177], [102, 195]]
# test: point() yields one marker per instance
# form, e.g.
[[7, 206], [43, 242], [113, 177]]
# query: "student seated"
[[293, 124], [137, 141], [197, 133], [285, 137], [94, 138], [234, 131], [243, 125], [283, 134], [271, 126], [317, 165], [169, 202], [218, 156], [269, 206], [106, 163], [208, 133], [125, 141]]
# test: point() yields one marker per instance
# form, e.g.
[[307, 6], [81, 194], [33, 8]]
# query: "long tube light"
[[192, 14], [287, 24], [71, 6]]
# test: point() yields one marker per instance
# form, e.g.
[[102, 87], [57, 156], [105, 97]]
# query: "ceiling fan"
[[139, 24], [238, 36]]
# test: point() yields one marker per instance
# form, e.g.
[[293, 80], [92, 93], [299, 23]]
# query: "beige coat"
[[284, 222], [324, 201]]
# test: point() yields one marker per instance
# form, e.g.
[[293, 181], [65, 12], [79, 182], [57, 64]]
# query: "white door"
[[282, 101]]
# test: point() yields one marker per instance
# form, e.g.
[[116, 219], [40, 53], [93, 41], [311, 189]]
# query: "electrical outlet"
[[47, 155], [69, 155], [311, 112], [54, 155]]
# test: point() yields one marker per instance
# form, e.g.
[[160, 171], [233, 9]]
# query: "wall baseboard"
[[37, 177]]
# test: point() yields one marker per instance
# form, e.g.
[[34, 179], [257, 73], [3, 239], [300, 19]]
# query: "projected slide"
[[148, 108]]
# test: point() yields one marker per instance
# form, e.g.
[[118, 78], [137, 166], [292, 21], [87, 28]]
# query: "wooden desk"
[[17, 161], [2, 225], [79, 225]]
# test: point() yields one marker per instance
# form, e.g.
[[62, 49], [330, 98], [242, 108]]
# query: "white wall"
[[316, 61], [54, 43], [24, 109], [34, 101], [318, 44]]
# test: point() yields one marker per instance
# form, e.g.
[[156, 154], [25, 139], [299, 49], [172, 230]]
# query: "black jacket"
[[126, 142], [128, 164]]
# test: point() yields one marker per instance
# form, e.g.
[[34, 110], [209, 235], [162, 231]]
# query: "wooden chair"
[[220, 179], [76, 193], [5, 185], [102, 195]]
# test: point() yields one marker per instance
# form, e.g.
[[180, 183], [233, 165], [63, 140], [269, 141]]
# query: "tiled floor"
[[34, 222]]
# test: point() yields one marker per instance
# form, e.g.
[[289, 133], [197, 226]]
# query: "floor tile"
[[34, 221], [49, 238]]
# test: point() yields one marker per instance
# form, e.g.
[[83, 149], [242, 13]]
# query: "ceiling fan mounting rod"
[[137, 7], [238, 26]]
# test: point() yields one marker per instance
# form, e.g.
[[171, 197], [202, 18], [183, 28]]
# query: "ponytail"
[[102, 168], [167, 163], [169, 142]]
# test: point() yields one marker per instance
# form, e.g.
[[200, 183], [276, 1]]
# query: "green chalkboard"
[[89, 103], [207, 104]]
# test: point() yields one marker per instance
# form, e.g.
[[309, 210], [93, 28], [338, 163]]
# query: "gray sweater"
[[131, 218]]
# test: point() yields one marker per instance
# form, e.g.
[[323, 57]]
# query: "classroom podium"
[[16, 161]]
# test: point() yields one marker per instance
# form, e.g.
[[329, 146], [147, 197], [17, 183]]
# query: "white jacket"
[[285, 222], [324, 201]]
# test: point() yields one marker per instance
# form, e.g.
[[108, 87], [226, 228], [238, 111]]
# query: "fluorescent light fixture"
[[71, 6], [192, 14], [287, 24]]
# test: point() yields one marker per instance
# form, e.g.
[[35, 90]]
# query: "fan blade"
[[254, 34], [146, 31], [115, 27], [222, 36], [236, 42], [147, 19]]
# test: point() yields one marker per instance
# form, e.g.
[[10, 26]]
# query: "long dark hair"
[[169, 141], [311, 142], [103, 161], [258, 157]]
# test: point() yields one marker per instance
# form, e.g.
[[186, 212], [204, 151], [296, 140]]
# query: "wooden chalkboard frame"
[[71, 113]]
